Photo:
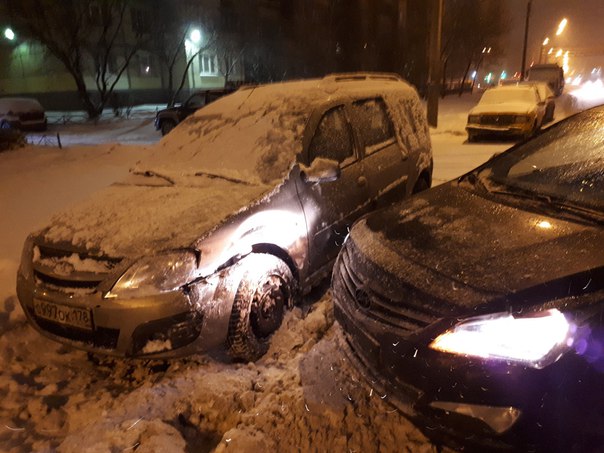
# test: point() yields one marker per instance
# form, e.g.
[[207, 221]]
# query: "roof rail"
[[356, 76]]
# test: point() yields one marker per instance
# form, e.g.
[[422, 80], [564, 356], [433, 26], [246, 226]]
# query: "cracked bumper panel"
[[160, 326]]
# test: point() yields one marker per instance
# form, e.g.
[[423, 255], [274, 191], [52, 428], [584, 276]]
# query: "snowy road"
[[303, 395]]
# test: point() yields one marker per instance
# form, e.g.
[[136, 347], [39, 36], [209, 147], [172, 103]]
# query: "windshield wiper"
[[558, 204], [151, 173], [226, 178], [474, 180]]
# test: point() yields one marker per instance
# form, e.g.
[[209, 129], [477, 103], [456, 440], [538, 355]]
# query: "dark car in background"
[[25, 114], [210, 239], [550, 73], [167, 119], [477, 307]]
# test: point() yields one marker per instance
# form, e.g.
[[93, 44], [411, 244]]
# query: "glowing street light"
[[9, 34], [546, 40], [195, 35], [561, 26]]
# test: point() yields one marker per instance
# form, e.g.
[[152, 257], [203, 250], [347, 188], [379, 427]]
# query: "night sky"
[[584, 31]]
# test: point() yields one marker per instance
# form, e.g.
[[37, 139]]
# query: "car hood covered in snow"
[[469, 249], [128, 220], [516, 108]]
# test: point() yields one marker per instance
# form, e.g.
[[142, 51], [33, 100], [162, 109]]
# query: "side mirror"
[[320, 170]]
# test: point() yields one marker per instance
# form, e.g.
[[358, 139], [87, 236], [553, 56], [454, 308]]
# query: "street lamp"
[[546, 41], [9, 34], [561, 26], [195, 35]]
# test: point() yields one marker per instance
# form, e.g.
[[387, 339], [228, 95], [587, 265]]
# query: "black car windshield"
[[565, 164]]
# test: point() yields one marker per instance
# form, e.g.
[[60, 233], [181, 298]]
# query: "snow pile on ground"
[[302, 396]]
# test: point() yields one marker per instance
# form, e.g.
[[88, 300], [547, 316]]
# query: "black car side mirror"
[[320, 170]]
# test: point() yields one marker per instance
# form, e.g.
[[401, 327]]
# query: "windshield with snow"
[[564, 165], [252, 135], [508, 95]]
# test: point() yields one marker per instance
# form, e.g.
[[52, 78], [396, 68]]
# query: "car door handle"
[[361, 181]]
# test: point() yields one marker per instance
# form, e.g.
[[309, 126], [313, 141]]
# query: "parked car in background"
[[550, 73], [545, 94], [167, 119], [241, 207], [476, 306], [25, 114], [512, 110]]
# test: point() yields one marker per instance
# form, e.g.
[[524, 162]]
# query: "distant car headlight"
[[155, 274], [522, 119], [536, 340], [474, 119]]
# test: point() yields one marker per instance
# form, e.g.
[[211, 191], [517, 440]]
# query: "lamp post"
[[526, 30]]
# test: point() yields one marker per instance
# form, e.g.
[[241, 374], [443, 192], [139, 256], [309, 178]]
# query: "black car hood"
[[469, 248]]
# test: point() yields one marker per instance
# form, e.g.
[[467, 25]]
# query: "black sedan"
[[477, 307]]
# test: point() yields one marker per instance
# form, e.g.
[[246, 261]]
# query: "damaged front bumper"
[[177, 323]]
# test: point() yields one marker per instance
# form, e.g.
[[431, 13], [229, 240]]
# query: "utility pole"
[[434, 73], [526, 30]]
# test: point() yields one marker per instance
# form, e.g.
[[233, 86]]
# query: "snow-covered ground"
[[302, 396]]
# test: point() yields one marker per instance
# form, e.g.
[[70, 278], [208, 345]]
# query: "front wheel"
[[167, 126], [265, 290]]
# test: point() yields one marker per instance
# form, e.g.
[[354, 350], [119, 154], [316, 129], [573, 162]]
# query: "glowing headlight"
[[536, 340], [156, 274]]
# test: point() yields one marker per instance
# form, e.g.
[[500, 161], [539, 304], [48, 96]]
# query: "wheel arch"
[[272, 249]]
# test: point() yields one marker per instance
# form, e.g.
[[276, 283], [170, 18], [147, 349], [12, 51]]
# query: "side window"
[[371, 119], [332, 139], [195, 102]]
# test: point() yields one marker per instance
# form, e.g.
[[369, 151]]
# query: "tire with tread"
[[167, 126], [264, 292]]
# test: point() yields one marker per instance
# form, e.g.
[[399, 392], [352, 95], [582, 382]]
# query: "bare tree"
[[468, 28], [85, 35]]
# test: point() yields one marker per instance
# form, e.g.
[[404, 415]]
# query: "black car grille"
[[394, 304], [386, 298], [101, 337], [69, 271], [497, 120], [31, 116]]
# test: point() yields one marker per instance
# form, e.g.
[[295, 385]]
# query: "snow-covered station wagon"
[[233, 215]]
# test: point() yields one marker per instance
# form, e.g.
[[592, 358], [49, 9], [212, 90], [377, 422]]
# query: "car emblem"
[[362, 299], [64, 268]]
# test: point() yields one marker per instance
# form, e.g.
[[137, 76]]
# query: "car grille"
[[496, 120], [69, 271], [101, 337], [392, 303], [31, 116]]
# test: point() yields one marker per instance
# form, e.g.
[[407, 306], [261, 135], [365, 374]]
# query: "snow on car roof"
[[19, 105], [255, 133], [508, 94]]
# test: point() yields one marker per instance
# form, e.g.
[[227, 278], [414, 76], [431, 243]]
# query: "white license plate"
[[63, 314]]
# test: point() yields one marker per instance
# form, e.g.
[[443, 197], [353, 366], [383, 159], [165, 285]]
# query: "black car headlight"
[[536, 340], [155, 274]]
